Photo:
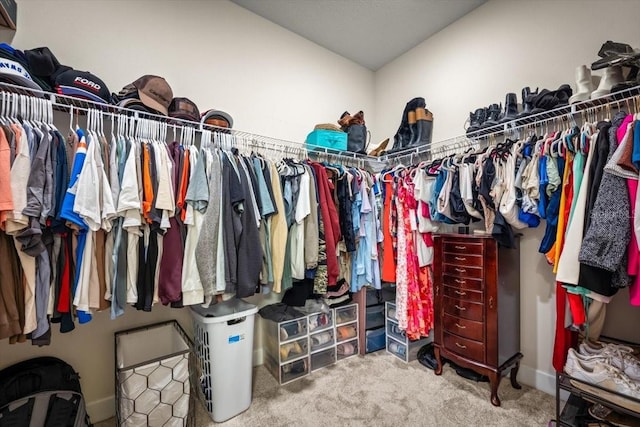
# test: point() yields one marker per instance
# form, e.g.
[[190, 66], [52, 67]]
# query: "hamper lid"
[[223, 311]]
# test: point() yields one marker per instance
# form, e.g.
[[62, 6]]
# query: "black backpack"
[[44, 391]]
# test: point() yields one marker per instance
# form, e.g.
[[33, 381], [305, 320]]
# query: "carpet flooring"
[[380, 390]]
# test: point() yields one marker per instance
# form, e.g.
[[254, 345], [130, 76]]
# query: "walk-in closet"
[[319, 213]]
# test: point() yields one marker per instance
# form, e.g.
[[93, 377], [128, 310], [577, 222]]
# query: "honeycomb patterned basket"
[[153, 376]]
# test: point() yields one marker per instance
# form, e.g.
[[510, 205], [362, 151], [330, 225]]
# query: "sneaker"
[[594, 348], [623, 361], [605, 377], [603, 413]]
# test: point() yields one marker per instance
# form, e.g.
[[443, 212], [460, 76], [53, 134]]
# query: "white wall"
[[501, 47], [278, 84], [270, 80], [216, 53]]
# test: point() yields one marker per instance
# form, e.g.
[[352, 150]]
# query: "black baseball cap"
[[82, 84]]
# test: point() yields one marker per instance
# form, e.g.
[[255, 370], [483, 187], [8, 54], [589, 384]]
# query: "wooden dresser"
[[477, 306]]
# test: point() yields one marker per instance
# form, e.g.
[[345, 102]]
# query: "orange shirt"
[[147, 201]]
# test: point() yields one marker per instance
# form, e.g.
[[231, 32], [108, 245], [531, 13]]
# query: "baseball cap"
[[82, 84], [14, 72], [44, 64], [184, 108], [217, 118], [154, 92]]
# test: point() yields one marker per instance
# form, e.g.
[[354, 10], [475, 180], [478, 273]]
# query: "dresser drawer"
[[462, 247], [463, 294], [463, 327], [470, 349], [463, 283], [465, 309], [456, 270], [465, 260]]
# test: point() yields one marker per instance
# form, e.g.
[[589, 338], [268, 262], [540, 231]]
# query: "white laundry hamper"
[[223, 336]]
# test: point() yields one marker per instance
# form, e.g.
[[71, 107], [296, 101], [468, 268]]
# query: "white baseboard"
[[258, 357], [102, 409], [537, 379]]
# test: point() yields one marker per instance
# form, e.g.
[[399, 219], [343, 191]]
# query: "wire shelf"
[[483, 137]]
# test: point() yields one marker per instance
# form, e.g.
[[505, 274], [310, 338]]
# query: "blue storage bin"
[[375, 339], [322, 138]]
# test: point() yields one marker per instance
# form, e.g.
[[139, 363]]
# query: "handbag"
[[356, 131]]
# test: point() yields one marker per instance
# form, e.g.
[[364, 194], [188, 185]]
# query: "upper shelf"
[[483, 135]]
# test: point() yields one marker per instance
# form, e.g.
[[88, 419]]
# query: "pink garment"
[[633, 266], [419, 280]]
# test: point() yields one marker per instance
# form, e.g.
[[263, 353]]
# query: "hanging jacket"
[[330, 222], [606, 239]]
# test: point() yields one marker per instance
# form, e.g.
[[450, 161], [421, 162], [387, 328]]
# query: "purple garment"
[[170, 276]]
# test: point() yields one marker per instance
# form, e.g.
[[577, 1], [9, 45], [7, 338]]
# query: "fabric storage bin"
[[375, 316], [322, 138], [320, 321], [388, 294], [347, 349], [372, 297], [153, 384], [375, 339], [323, 358]]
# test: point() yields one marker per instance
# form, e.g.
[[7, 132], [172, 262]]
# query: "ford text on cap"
[[83, 85], [14, 72], [155, 93]]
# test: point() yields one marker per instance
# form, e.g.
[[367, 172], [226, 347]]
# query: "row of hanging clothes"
[[582, 180], [98, 221]]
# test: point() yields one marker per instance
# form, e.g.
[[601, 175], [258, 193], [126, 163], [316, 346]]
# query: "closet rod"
[[483, 139], [68, 103]]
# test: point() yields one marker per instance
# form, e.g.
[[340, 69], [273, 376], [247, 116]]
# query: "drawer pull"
[[460, 258], [460, 293], [461, 247], [460, 345], [461, 270], [461, 281], [461, 326], [460, 308]]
